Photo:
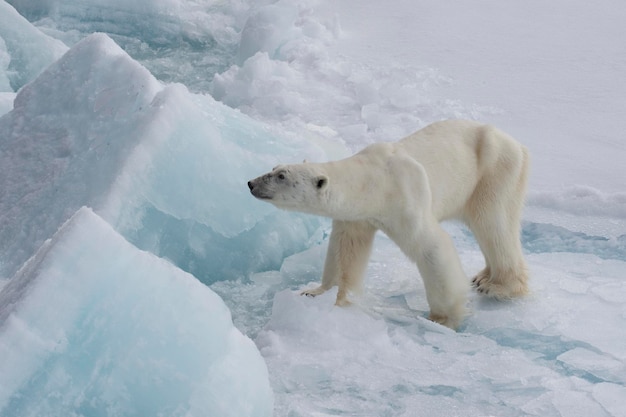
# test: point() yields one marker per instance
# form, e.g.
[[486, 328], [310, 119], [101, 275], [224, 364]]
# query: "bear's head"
[[299, 187]]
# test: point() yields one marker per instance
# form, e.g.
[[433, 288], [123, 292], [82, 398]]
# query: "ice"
[[5, 59], [24, 50], [595, 364], [611, 397], [540, 237], [93, 326], [170, 37], [75, 145], [150, 159], [6, 102]]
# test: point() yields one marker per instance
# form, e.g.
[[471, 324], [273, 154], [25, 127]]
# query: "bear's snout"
[[258, 189]]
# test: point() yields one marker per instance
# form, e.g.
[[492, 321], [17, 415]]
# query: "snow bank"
[[93, 326], [582, 200], [166, 168]]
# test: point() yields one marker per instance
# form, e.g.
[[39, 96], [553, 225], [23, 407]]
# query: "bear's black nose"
[[250, 185]]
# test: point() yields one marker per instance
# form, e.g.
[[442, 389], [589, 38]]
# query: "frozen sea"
[[139, 277]]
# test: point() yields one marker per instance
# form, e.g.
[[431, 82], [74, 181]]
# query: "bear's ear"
[[321, 181]]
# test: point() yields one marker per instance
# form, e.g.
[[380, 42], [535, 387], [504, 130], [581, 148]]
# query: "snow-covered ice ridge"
[[112, 309]]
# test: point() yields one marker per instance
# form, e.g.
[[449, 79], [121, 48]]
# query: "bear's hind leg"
[[505, 275], [349, 249], [494, 215]]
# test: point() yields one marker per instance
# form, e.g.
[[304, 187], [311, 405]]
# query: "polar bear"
[[454, 169]]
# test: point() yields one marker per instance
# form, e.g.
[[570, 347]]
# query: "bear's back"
[[448, 152]]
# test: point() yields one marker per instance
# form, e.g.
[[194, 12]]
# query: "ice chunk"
[[611, 396], [594, 363], [5, 60], [6, 103], [93, 326], [24, 50], [166, 168], [56, 156]]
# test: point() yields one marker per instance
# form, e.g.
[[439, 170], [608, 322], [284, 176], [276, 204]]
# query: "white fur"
[[451, 169]]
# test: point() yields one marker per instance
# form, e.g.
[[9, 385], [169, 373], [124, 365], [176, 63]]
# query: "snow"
[[158, 122]]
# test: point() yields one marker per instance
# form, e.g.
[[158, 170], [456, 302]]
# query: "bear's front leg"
[[332, 270], [444, 280], [446, 285], [349, 249], [411, 224]]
